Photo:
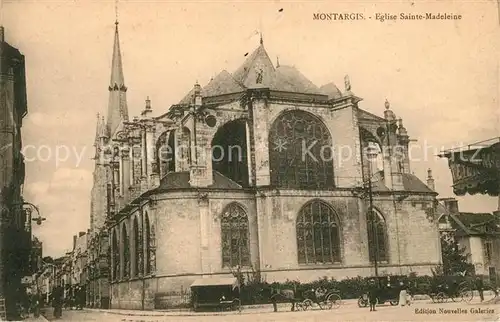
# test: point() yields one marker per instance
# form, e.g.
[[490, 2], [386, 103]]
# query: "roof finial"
[[387, 104], [347, 83], [277, 61], [261, 39]]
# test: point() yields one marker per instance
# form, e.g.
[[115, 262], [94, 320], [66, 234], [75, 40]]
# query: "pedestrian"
[[494, 287], [403, 295], [57, 301], [480, 287], [372, 295]]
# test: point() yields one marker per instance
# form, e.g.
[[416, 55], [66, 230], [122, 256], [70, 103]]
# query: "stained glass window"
[[234, 235], [126, 252], [318, 234], [300, 152], [147, 242], [116, 257], [377, 245], [137, 248]]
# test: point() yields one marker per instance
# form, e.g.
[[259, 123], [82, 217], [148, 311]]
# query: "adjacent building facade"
[[260, 170], [15, 228], [478, 233]]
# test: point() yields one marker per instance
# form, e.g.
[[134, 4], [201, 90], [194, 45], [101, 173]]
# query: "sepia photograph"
[[249, 160]]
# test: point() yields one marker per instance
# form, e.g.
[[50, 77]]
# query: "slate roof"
[[282, 78], [411, 183], [469, 223], [180, 180], [331, 90]]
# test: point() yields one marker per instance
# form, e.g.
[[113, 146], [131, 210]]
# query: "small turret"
[[197, 95], [147, 109], [430, 180], [401, 128], [388, 113]]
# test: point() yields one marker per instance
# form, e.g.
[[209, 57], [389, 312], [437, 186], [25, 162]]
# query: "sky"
[[440, 77]]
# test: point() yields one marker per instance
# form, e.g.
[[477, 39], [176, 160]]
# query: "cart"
[[216, 293], [454, 288], [323, 298]]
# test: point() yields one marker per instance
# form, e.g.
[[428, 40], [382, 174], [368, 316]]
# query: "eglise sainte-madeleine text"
[[387, 16]]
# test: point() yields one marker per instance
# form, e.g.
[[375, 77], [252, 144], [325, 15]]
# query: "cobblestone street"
[[349, 311]]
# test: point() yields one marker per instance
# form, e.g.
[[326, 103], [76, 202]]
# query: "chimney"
[[430, 180], [2, 34], [80, 234], [451, 205], [74, 242]]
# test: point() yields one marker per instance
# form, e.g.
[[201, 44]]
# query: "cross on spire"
[[116, 12]]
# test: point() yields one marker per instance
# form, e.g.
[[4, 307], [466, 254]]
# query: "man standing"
[[57, 301], [480, 287], [372, 294]]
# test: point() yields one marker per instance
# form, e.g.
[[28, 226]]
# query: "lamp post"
[[372, 155]]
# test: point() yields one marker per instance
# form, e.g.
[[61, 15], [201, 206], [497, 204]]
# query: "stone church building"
[[259, 170]]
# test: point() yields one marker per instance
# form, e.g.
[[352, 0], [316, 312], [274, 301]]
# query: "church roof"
[[331, 90], [289, 79], [257, 71], [411, 183], [259, 60]]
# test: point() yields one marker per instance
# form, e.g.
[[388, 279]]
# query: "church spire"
[[117, 78], [117, 107]]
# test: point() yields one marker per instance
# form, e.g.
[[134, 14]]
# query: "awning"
[[216, 281]]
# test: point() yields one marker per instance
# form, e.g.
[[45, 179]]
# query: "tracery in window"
[[300, 152], [318, 234], [377, 245], [147, 244], [126, 252], [235, 236], [115, 252]]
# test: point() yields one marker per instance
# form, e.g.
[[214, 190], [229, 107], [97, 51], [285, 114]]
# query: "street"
[[349, 311]]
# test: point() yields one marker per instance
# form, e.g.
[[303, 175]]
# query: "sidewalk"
[[247, 309], [41, 318]]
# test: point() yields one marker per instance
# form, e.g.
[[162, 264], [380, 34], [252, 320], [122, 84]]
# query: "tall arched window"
[[166, 153], [235, 236], [126, 252], [116, 256], [377, 241], [147, 243], [137, 250], [300, 152], [318, 234]]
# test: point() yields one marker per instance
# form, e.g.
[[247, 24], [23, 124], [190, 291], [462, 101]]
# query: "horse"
[[275, 295]]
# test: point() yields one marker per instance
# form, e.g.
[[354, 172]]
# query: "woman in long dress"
[[403, 295]]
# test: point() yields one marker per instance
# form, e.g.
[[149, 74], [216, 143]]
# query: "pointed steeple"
[[117, 78], [117, 107]]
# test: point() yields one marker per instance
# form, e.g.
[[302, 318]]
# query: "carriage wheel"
[[456, 297], [440, 297], [333, 301], [306, 304], [466, 295], [394, 303]]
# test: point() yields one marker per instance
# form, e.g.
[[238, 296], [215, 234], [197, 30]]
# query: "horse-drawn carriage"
[[218, 293], [456, 288], [323, 298], [388, 289], [302, 298]]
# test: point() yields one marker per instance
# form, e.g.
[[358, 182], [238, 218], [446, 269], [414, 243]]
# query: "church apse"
[[230, 153]]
